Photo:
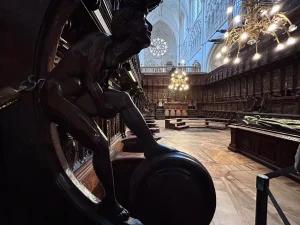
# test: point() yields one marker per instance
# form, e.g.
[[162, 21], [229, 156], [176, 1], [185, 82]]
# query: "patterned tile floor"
[[234, 176]]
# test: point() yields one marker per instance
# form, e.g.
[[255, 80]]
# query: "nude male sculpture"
[[82, 70]]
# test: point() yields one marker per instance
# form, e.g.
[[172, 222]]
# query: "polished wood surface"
[[273, 149], [234, 176]]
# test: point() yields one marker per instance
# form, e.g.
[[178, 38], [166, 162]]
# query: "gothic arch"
[[212, 61], [162, 30]]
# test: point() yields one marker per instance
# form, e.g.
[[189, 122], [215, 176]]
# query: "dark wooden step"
[[181, 127], [149, 117], [151, 125], [178, 123], [154, 130]]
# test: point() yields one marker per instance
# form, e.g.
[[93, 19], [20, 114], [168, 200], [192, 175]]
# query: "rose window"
[[158, 47]]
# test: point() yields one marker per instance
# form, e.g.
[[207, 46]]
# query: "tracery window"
[[196, 2], [197, 8]]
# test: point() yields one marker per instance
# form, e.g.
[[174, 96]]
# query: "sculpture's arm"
[[95, 76]]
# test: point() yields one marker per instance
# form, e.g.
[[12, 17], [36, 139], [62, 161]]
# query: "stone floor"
[[234, 177]]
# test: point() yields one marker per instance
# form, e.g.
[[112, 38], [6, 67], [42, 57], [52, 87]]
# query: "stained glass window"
[[158, 47]]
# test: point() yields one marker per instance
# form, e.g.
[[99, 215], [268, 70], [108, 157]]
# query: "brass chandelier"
[[179, 81], [260, 19]]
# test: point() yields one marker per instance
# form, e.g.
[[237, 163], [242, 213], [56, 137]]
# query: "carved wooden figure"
[[85, 70]]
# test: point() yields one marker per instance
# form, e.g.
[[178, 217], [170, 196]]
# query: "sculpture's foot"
[[114, 213], [157, 149]]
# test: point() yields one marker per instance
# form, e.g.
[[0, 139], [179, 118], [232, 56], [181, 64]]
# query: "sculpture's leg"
[[134, 120], [86, 132]]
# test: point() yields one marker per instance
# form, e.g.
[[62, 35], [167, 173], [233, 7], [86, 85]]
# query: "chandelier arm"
[[238, 52], [232, 36], [276, 37], [256, 47], [268, 17], [284, 17]]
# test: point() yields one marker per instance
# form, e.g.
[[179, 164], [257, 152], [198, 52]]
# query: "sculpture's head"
[[130, 23]]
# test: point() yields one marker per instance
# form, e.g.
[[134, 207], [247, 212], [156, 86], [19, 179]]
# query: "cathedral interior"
[[173, 112]]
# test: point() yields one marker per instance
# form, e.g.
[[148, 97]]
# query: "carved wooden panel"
[[237, 88], [290, 108], [160, 81], [225, 73], [243, 87], [150, 98], [298, 76], [276, 82], [155, 95], [165, 93], [209, 95], [227, 89], [264, 57], [231, 88], [166, 81], [229, 72], [248, 64], [289, 74], [194, 98], [145, 81], [160, 93], [234, 107], [276, 108], [240, 106], [266, 83], [245, 144], [150, 81], [235, 69], [241, 68], [267, 149], [257, 84], [250, 85]]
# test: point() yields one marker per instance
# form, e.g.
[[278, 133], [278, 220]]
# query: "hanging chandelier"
[[260, 19], [179, 78], [179, 81]]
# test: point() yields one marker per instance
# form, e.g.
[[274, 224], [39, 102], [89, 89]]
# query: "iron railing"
[[164, 69], [263, 193]]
